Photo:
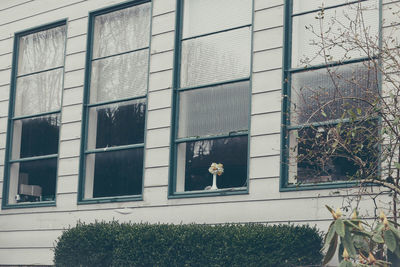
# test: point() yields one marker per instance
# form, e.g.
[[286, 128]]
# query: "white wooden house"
[[115, 109]]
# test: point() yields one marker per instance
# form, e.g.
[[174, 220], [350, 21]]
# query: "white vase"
[[214, 184]]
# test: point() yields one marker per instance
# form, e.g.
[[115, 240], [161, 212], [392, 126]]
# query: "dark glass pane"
[[117, 124], [231, 152], [317, 156], [319, 95], [118, 173], [37, 180], [37, 136]]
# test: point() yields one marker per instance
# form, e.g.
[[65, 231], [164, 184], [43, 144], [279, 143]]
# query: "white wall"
[[27, 235]]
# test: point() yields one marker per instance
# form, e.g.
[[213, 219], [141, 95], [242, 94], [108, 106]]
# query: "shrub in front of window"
[[115, 244]]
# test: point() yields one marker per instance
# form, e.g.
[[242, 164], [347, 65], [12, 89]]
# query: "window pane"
[[38, 93], [216, 58], [306, 49], [119, 77], [117, 173], [121, 31], [117, 124], [36, 180], [36, 136], [314, 158], [222, 14], [319, 96], [308, 5], [41, 50], [194, 159], [214, 110]]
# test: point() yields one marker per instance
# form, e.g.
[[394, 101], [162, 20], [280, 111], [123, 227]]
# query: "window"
[[115, 101], [212, 95], [327, 77], [34, 118]]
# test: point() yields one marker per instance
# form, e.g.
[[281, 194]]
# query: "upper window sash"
[[306, 29], [214, 49]]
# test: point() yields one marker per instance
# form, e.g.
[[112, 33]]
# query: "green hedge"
[[115, 244]]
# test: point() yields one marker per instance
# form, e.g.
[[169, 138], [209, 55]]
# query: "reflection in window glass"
[[320, 96], [307, 49], [39, 136], [195, 158], [317, 160], [117, 124]]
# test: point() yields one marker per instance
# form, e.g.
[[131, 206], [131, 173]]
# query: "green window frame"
[[292, 68], [31, 156], [115, 103], [196, 142]]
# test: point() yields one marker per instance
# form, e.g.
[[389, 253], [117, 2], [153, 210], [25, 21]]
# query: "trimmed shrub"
[[115, 244]]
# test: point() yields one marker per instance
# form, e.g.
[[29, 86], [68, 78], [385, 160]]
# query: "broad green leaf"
[[348, 243], [329, 235], [323, 113], [395, 231], [339, 227], [346, 264], [380, 226], [390, 240], [378, 238], [397, 165], [350, 223], [397, 251], [331, 250], [360, 243]]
